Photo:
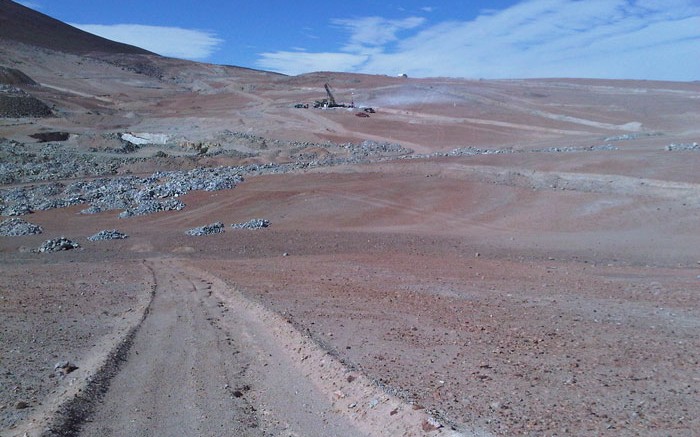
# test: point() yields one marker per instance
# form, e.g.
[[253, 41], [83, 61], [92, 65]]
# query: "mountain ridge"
[[28, 26]]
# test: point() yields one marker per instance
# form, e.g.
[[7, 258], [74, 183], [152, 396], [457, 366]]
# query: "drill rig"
[[330, 102]]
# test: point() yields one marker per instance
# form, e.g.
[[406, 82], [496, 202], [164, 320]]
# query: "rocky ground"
[[185, 251], [474, 302]]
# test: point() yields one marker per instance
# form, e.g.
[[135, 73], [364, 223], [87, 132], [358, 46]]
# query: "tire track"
[[64, 415], [181, 376]]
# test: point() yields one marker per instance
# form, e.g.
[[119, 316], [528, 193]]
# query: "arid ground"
[[486, 258]]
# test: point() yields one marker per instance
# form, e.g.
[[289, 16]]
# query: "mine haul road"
[[207, 361]]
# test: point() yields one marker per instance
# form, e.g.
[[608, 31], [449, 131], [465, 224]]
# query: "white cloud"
[[375, 31], [636, 39], [303, 62], [167, 41], [367, 38]]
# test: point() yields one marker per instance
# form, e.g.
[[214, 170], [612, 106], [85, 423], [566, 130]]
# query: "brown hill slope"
[[25, 25]]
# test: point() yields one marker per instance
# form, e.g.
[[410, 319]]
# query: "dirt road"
[[206, 361]]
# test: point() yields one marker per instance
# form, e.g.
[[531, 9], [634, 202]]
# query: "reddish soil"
[[494, 305]]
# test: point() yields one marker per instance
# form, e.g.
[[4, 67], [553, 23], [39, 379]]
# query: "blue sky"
[[618, 39]]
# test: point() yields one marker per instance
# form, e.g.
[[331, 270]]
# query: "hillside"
[[21, 24]]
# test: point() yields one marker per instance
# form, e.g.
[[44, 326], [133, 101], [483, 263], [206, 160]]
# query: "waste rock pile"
[[373, 149], [150, 206], [474, 151], [677, 147], [252, 224], [16, 227], [15, 103], [108, 234], [214, 228], [57, 244], [134, 195], [49, 161], [598, 148]]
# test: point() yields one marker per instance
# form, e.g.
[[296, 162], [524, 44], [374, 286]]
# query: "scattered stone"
[[626, 137], [108, 234], [21, 405], [252, 224], [214, 228], [15, 227], [57, 244], [92, 209], [430, 424], [602, 147], [473, 151], [63, 368]]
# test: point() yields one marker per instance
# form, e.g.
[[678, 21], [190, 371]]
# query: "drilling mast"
[[331, 100]]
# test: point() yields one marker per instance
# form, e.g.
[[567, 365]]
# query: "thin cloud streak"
[[299, 62], [375, 31], [167, 41], [642, 39]]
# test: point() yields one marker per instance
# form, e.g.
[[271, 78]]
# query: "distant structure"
[[330, 102], [403, 75]]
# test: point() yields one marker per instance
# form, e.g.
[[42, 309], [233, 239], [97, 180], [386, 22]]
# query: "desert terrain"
[[472, 258]]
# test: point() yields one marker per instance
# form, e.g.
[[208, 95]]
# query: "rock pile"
[[252, 224], [473, 151], [627, 137], [372, 149], [470, 151], [150, 206], [48, 161], [214, 228], [134, 195], [16, 227], [15, 210], [16, 103], [108, 234], [57, 244], [560, 149], [677, 147]]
